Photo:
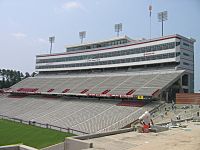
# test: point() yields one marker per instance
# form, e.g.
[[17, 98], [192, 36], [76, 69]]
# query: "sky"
[[26, 25]]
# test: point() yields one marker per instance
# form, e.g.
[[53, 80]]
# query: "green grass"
[[14, 133]]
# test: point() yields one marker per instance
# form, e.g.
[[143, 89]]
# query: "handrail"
[[43, 125]]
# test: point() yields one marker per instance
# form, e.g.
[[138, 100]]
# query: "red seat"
[[65, 91], [130, 92], [131, 103], [84, 91], [27, 90], [106, 91], [155, 92], [50, 90]]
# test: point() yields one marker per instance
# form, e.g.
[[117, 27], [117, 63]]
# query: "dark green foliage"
[[10, 77]]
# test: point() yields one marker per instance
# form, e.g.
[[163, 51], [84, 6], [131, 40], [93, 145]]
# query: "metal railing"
[[43, 125]]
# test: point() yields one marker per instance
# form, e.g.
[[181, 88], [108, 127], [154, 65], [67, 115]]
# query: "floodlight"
[[82, 35], [118, 28], [51, 40], [162, 16]]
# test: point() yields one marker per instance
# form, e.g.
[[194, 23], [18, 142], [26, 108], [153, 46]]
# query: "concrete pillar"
[[167, 100]]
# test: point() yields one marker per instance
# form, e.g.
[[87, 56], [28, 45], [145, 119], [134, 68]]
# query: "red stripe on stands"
[[106, 91], [65, 91], [130, 92], [84, 91], [155, 92], [50, 90]]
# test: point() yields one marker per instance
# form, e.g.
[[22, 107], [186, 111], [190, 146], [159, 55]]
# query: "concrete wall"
[[188, 98], [9, 148], [97, 135], [59, 146], [75, 144], [78, 143], [17, 147]]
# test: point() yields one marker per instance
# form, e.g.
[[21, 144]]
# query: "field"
[[14, 133]]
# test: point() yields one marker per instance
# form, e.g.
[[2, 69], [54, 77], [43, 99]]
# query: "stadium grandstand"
[[89, 87]]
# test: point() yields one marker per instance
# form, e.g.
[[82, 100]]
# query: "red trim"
[[65, 91], [84, 91], [50, 90], [110, 47], [106, 91], [155, 92], [130, 92]]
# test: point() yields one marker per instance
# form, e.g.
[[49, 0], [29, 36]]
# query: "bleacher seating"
[[90, 116], [143, 83], [82, 114]]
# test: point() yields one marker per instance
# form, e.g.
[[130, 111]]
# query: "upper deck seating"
[[143, 83]]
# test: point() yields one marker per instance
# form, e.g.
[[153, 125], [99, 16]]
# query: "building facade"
[[122, 53]]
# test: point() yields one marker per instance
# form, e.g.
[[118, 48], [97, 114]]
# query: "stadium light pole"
[[118, 28], [150, 12], [162, 16], [51, 40], [82, 35]]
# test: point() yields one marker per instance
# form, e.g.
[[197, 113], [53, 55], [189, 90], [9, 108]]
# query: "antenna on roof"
[[82, 35], [118, 28], [162, 16], [51, 40], [150, 9]]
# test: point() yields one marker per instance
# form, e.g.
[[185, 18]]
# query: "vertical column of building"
[[187, 63]]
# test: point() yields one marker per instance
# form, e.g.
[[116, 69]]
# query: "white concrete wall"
[[75, 144]]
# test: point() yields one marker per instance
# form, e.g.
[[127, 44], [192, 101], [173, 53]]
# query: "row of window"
[[186, 54], [186, 64], [159, 47], [186, 45], [117, 61], [92, 46]]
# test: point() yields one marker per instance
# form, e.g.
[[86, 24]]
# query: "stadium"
[[102, 86]]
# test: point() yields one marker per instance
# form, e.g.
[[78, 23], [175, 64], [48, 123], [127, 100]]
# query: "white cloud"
[[19, 35], [72, 5]]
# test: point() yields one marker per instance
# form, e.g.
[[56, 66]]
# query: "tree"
[[33, 74], [10, 77], [27, 75]]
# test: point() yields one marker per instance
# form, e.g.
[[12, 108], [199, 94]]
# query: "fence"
[[32, 122]]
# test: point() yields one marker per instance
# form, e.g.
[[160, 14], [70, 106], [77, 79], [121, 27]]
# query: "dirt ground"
[[173, 139]]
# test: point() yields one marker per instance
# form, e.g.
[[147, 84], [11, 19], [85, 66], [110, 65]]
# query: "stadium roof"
[[101, 41]]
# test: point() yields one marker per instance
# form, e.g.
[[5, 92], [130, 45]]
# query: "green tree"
[[10, 77]]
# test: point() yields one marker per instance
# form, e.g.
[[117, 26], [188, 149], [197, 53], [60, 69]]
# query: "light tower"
[[118, 28], [162, 16], [51, 40], [150, 9], [82, 35]]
